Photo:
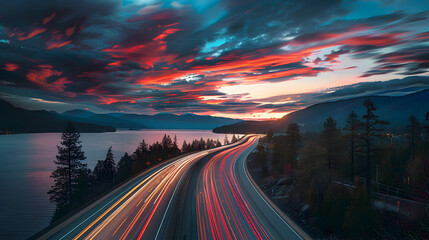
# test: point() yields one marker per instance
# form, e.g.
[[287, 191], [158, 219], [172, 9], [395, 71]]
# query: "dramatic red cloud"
[[11, 67], [312, 38], [40, 77], [117, 63], [147, 55], [57, 44], [374, 39], [170, 25], [48, 19], [32, 34], [214, 101], [163, 15], [70, 31], [166, 33]]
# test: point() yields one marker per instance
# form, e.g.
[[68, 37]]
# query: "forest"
[[349, 175]]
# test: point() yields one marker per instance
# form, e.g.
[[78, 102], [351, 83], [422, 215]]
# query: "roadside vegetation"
[[334, 182], [76, 185]]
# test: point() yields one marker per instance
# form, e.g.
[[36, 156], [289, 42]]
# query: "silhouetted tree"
[[69, 170], [226, 141], [210, 144], [293, 142], [125, 167], [218, 143], [140, 157], [105, 172], [185, 147], [167, 143], [352, 130], [372, 128], [261, 161], [414, 134], [330, 135], [234, 139], [270, 136]]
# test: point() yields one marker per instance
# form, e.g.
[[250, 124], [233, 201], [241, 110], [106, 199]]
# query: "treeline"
[[75, 184], [362, 149]]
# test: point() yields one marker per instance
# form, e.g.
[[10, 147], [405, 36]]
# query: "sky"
[[233, 58]]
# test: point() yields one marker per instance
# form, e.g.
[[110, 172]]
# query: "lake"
[[27, 161]]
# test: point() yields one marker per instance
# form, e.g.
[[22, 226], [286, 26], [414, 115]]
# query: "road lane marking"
[[197, 157], [139, 202], [119, 227], [114, 205]]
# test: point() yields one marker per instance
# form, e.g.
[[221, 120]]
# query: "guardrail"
[[394, 191]]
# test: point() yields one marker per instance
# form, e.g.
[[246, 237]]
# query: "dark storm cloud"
[[409, 61], [56, 14], [172, 57]]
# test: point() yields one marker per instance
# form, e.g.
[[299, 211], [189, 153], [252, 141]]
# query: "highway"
[[204, 195], [229, 206]]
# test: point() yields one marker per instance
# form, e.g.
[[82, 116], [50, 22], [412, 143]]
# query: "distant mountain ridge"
[[19, 120], [394, 109], [157, 121]]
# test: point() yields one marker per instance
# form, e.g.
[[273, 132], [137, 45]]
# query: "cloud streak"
[[178, 58]]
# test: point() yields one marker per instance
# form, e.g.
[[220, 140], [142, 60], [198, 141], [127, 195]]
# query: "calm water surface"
[[27, 160]]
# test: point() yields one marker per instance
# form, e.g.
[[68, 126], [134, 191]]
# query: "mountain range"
[[157, 121], [21, 120], [394, 109]]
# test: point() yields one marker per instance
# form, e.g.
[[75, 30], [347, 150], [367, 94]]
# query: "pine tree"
[[105, 172], [140, 156], [69, 170], [124, 168], [372, 128], [293, 142], [226, 141], [218, 143], [330, 136], [234, 139], [270, 136], [175, 150], [352, 127], [185, 147], [166, 142], [414, 134]]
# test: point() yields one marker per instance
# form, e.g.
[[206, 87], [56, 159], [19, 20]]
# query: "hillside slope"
[[394, 109]]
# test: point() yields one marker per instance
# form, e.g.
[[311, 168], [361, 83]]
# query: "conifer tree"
[[330, 139], [234, 138], [293, 142], [69, 170], [414, 134], [352, 130], [218, 143], [372, 128], [226, 141], [185, 147], [125, 165], [105, 172]]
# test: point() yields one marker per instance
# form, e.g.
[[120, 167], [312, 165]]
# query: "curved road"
[[205, 195], [229, 205]]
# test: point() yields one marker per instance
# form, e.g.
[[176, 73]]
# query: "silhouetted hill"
[[103, 119], [157, 121], [394, 109], [79, 113], [21, 120]]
